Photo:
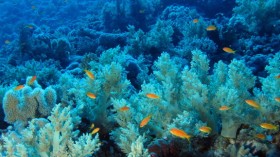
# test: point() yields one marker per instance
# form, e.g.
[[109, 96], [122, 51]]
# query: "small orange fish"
[[277, 99], [180, 133], [205, 129], [91, 95], [195, 21], [269, 126], [89, 74], [125, 108], [152, 96], [228, 50], [95, 130], [7, 41], [145, 121], [31, 81], [260, 136], [277, 77], [253, 104], [19, 87], [211, 28], [224, 108]]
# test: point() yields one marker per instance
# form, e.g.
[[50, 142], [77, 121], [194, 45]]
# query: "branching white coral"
[[125, 136], [200, 65], [137, 148], [55, 137], [122, 117], [270, 91], [233, 93], [189, 121]]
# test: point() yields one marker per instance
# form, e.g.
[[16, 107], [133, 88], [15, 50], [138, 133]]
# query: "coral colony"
[[140, 78]]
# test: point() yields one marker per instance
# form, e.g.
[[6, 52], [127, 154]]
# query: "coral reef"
[[48, 72], [49, 137], [28, 103], [140, 78], [256, 13]]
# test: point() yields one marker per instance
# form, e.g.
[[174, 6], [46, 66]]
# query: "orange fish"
[[277, 77], [152, 96], [195, 21], [7, 41], [260, 136], [95, 130], [91, 95], [89, 74], [145, 121], [125, 108], [277, 99], [211, 28], [224, 108], [228, 50], [31, 81], [180, 133], [269, 126], [205, 129], [19, 87], [253, 104]]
